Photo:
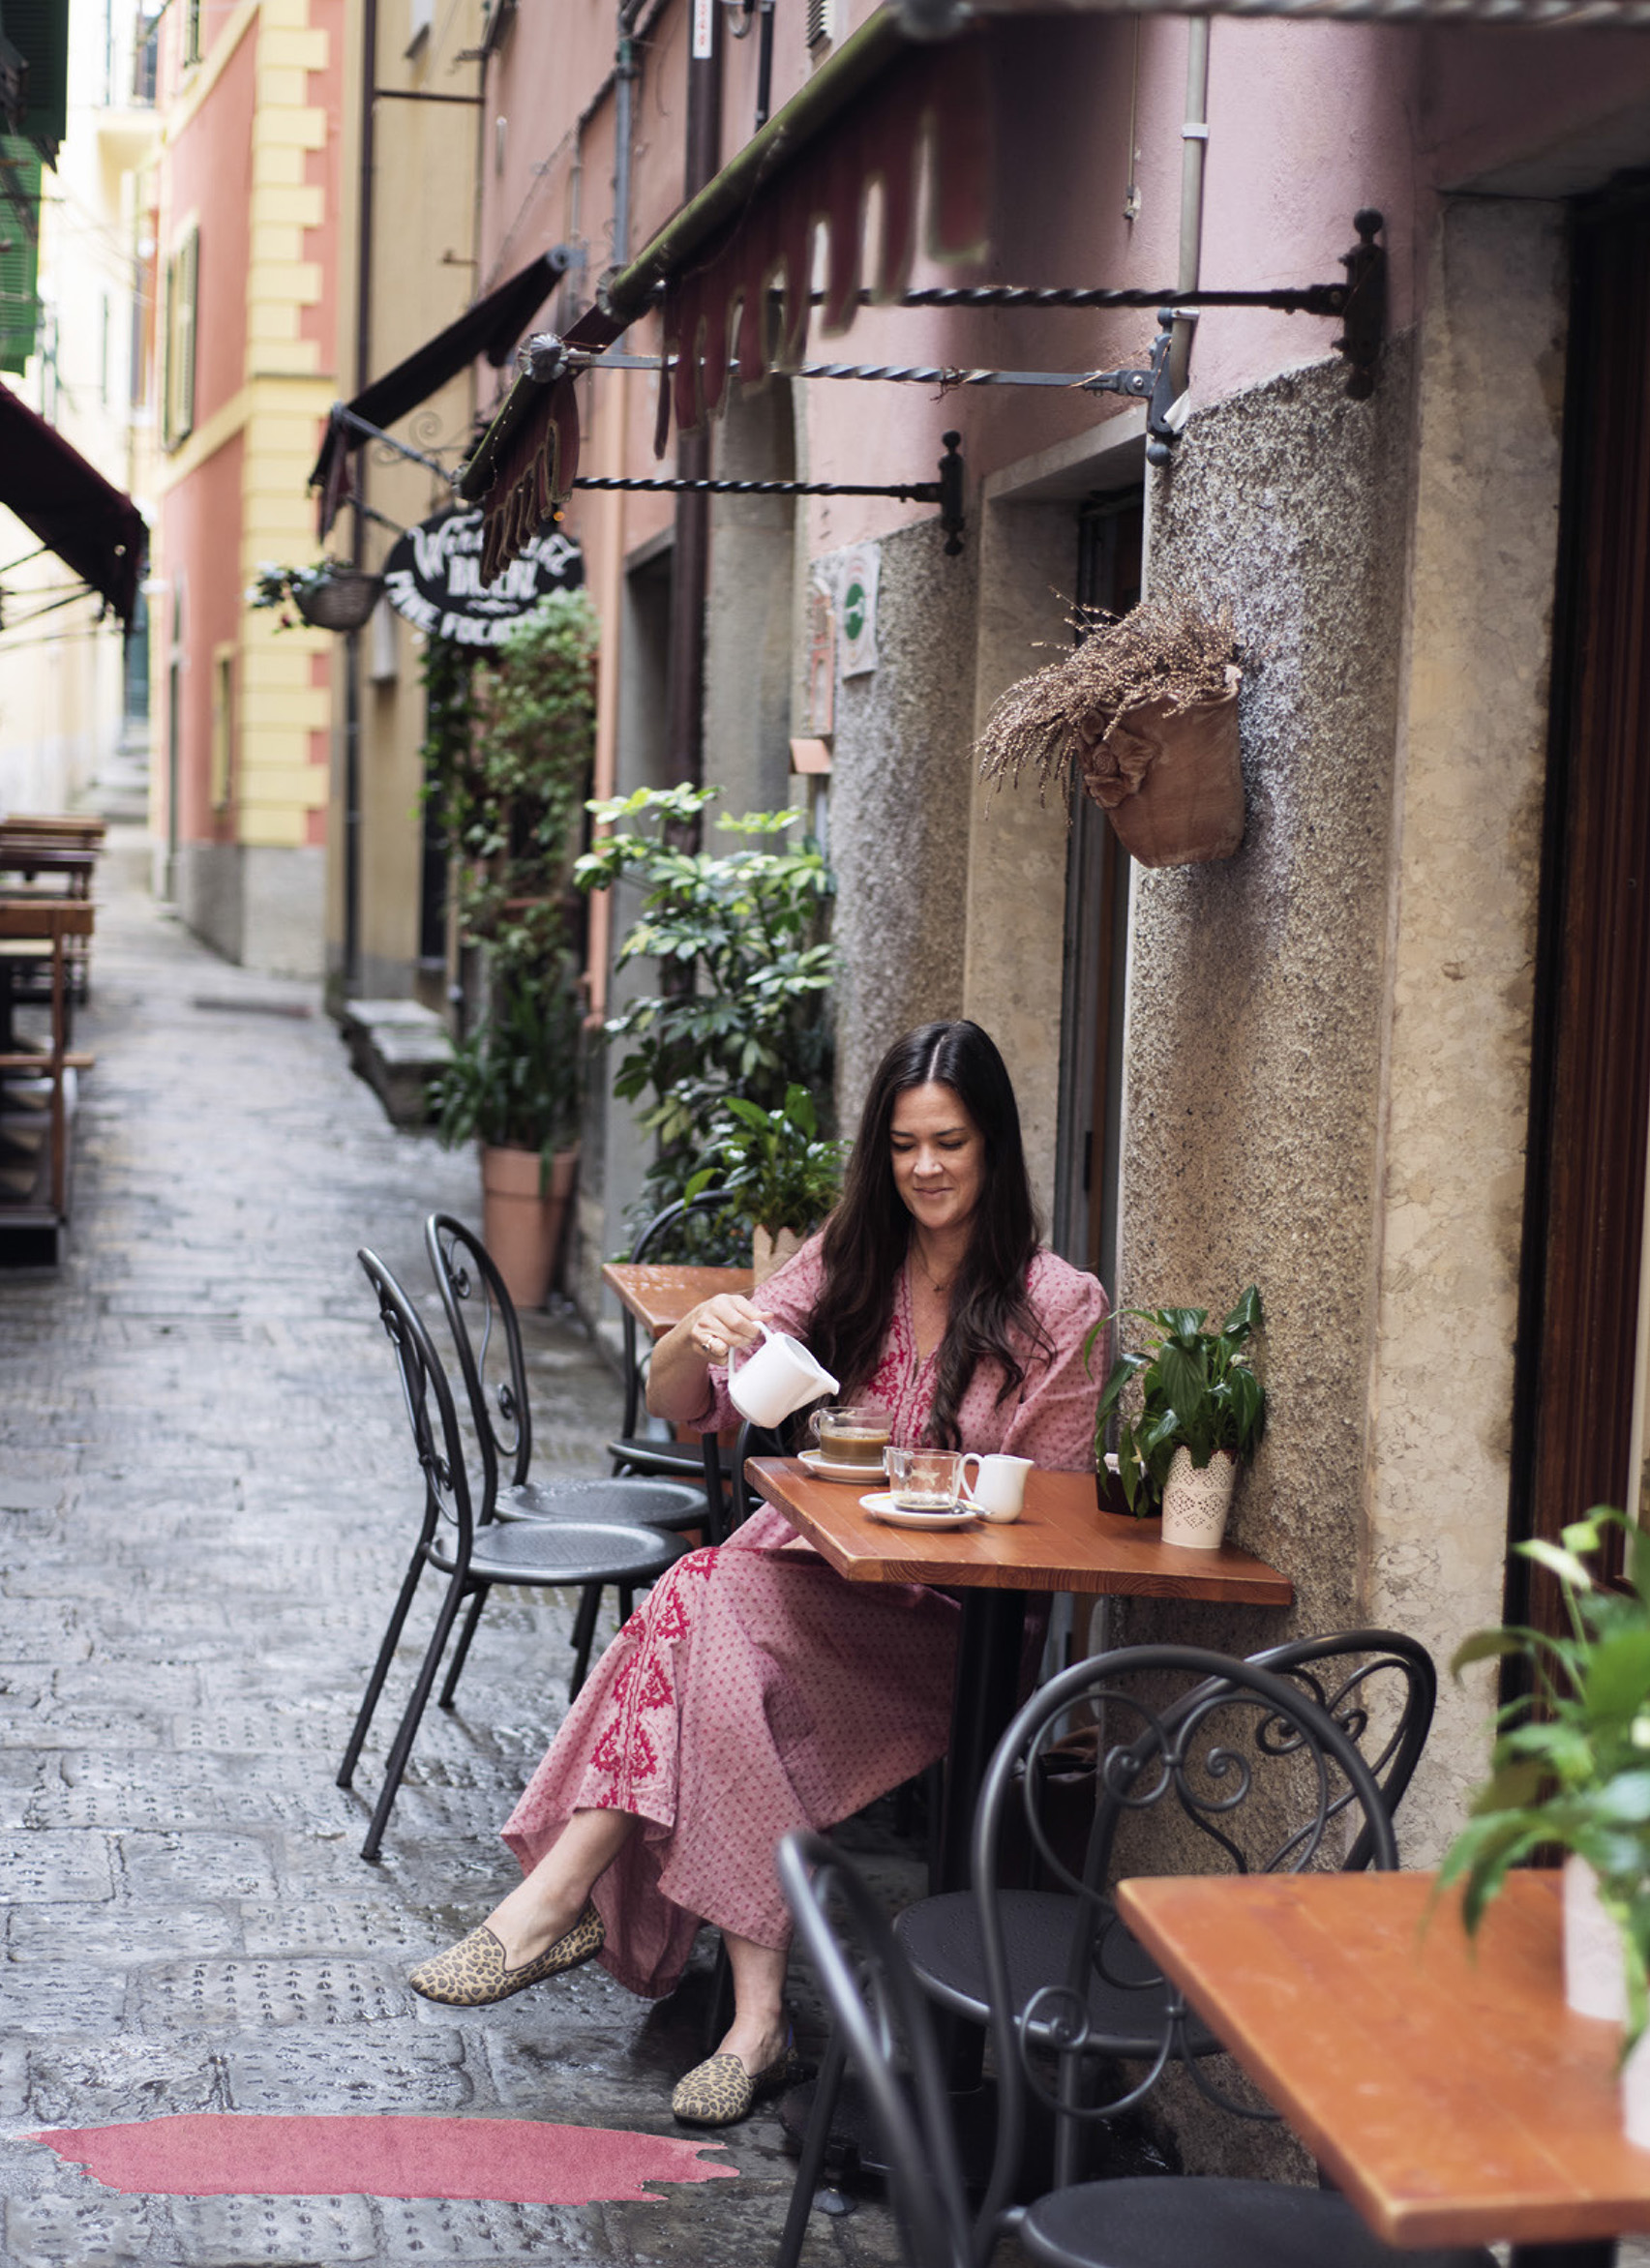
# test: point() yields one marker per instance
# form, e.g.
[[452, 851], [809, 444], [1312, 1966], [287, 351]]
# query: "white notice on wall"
[[704, 30], [856, 573]]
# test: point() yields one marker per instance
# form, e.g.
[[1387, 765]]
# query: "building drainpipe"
[[1194, 150], [691, 558], [359, 537]]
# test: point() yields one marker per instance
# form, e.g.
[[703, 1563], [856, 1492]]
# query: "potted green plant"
[[773, 1164], [738, 938], [513, 1086], [330, 594], [1196, 1413], [1571, 1769], [508, 759], [1143, 711]]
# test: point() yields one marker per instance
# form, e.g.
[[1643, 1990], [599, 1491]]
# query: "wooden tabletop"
[[1062, 1541], [42, 918], [660, 1296], [1451, 2094]]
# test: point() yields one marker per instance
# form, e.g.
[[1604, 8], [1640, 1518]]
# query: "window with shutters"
[[183, 275], [20, 246]]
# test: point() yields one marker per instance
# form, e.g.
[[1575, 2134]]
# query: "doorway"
[[1109, 539]]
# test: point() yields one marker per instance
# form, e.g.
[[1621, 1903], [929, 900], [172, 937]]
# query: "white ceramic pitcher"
[[778, 1379]]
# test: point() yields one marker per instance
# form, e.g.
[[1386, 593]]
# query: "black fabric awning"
[[491, 327], [91, 525]]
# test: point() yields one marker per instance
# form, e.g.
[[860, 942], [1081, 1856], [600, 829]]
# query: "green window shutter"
[[38, 30], [19, 248], [183, 275]]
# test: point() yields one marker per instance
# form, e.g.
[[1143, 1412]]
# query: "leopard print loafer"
[[719, 2092], [472, 1973]]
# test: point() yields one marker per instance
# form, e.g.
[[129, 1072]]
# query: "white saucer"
[[882, 1506], [817, 1464]]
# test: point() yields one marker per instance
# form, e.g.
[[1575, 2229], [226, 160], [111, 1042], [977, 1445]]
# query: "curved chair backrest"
[[728, 1495], [481, 1316], [1381, 1688], [647, 1244], [883, 2020], [1209, 1751], [430, 1412]]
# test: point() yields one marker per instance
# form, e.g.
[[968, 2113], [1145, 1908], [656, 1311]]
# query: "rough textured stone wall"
[[902, 775], [1472, 758], [1256, 988]]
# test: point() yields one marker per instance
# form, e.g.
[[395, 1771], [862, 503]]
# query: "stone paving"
[[206, 1494]]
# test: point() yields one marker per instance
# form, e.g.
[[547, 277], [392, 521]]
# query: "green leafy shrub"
[[772, 1163], [744, 966], [1570, 1764]]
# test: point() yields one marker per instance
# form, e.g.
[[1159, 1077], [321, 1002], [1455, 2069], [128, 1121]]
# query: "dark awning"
[[868, 114], [490, 328], [85, 518]]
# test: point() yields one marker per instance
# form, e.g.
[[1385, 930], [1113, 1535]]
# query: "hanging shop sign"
[[434, 577]]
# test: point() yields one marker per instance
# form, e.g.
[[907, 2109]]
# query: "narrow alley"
[[207, 1491]]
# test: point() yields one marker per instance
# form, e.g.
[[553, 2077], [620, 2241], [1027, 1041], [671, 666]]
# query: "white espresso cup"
[[778, 1379], [997, 1489]]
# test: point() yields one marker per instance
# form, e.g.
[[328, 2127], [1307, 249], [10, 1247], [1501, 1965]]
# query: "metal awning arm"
[[343, 415]]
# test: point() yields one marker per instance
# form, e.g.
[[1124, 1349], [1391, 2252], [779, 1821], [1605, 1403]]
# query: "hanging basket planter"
[[342, 600], [1144, 714]]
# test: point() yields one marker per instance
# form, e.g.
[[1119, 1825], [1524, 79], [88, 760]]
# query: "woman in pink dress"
[[755, 1691]]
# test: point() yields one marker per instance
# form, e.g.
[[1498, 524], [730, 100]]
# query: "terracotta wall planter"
[[1189, 806], [520, 1226]]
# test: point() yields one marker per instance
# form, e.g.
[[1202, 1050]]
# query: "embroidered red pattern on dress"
[[625, 1753]]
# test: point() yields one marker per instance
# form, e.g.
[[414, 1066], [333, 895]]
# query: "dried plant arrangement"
[[1166, 654]]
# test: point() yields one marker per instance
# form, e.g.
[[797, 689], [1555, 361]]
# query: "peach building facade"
[[248, 196]]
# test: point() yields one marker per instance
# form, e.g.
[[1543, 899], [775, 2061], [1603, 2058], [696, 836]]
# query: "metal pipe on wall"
[[358, 537], [684, 752], [1194, 150]]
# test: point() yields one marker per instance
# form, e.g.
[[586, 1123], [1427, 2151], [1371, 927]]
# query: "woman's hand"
[[678, 1388], [727, 1321]]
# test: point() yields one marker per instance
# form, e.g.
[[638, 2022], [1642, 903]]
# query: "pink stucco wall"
[[1308, 123]]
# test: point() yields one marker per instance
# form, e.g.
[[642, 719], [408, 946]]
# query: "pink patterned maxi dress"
[[755, 1691]]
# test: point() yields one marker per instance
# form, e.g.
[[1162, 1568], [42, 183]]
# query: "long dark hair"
[[869, 1234]]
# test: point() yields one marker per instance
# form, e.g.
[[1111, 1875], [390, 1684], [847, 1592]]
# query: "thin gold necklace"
[[934, 1282]]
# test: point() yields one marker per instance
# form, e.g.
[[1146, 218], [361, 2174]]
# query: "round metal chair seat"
[[941, 1938], [1218, 2224], [634, 1503], [567, 1552]]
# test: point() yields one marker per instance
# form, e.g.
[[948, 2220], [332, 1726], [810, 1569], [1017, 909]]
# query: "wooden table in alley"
[[1443, 2085], [1062, 1541], [660, 1296]]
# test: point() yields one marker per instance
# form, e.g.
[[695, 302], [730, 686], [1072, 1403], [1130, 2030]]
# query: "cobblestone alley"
[[206, 1494]]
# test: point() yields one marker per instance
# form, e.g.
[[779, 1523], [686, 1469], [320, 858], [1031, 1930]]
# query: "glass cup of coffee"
[[855, 1435], [924, 1480]]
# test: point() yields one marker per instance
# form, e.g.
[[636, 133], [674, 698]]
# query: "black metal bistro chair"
[[881, 2014], [1377, 1686], [487, 1337], [472, 1551], [636, 1452], [1198, 1745]]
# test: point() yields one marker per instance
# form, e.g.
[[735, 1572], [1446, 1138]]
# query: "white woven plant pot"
[[1594, 1982], [1196, 1504]]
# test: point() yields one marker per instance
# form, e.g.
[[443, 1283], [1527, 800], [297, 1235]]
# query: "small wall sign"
[[434, 577], [857, 576]]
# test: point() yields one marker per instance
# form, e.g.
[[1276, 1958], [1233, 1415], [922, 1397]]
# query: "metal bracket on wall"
[[947, 491]]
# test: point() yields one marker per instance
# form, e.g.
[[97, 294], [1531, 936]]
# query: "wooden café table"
[[1062, 1541], [659, 1297], [1443, 2085]]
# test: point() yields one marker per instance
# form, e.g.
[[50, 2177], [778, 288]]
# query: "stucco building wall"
[[1256, 997]]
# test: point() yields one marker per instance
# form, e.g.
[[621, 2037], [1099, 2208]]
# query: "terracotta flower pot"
[[1187, 806], [771, 1252], [522, 1225]]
